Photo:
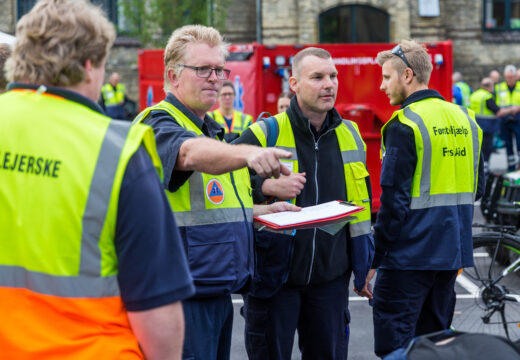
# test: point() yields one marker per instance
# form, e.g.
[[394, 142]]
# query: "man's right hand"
[[265, 161], [286, 187]]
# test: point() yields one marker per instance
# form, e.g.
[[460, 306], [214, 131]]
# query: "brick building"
[[485, 33]]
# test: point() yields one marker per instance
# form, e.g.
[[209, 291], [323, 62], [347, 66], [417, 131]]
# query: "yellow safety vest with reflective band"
[[478, 103], [353, 153], [112, 96], [447, 141], [239, 123], [504, 97], [207, 200], [61, 169]]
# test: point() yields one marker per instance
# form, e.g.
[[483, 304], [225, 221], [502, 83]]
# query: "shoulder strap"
[[272, 130]]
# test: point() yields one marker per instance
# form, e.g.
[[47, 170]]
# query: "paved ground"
[[361, 335]]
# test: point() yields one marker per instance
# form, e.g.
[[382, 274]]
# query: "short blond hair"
[[54, 40], [310, 51], [175, 50], [417, 56]]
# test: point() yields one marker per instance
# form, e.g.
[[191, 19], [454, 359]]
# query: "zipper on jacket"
[[248, 227], [316, 149]]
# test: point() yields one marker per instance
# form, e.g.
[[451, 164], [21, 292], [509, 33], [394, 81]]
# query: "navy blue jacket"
[[438, 238]]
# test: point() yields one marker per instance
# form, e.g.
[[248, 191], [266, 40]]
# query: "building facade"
[[485, 33]]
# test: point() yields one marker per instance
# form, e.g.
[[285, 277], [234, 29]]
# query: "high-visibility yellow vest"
[[478, 103], [61, 169], [239, 123], [504, 97], [465, 91], [448, 140], [353, 153], [112, 96], [205, 200]]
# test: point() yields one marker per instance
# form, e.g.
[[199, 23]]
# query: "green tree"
[[153, 21]]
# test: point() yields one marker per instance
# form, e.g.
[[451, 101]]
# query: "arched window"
[[354, 24]]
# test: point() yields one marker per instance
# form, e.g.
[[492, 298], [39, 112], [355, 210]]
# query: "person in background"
[[284, 101], [208, 185], [430, 178], [91, 260], [113, 97], [461, 90], [482, 102], [507, 94], [494, 75], [233, 121], [5, 52]]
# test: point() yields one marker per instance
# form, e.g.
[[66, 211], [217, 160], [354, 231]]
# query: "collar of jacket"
[[66, 94], [209, 126], [302, 123], [421, 95]]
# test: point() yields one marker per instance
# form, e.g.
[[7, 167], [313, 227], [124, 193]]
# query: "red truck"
[[261, 72]]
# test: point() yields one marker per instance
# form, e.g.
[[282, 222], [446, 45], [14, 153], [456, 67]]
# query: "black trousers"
[[411, 303], [319, 312]]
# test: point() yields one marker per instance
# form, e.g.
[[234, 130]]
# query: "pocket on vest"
[[211, 256]]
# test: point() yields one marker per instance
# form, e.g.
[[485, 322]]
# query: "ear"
[[293, 84], [174, 79], [88, 70], [408, 76]]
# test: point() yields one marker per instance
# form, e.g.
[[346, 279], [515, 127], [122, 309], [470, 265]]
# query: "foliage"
[[153, 21]]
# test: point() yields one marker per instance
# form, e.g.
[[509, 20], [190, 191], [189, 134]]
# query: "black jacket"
[[317, 257]]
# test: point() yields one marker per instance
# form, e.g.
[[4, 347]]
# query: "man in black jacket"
[[301, 281]]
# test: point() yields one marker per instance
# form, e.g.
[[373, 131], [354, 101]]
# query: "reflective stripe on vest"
[[478, 103], [353, 154], [191, 202], [422, 197]]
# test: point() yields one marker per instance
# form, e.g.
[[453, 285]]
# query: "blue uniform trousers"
[[510, 127], [209, 322], [409, 303], [318, 312]]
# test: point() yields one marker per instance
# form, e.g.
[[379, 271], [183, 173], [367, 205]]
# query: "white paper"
[[310, 213]]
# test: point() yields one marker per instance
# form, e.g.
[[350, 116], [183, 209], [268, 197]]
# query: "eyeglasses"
[[399, 52], [205, 71]]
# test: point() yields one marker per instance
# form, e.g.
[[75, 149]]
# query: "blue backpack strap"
[[273, 130], [263, 115]]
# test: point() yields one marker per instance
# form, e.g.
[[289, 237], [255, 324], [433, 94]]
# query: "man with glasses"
[[431, 175], [233, 121], [207, 184]]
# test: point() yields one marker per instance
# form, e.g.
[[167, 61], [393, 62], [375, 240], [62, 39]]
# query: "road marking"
[[357, 298], [468, 285], [479, 255]]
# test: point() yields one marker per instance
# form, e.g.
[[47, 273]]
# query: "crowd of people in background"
[[496, 105]]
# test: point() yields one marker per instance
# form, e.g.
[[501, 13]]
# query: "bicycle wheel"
[[490, 307]]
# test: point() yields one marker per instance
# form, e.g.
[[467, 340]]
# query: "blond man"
[[91, 261], [430, 171], [207, 183]]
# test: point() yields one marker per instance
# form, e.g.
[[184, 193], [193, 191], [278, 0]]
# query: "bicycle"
[[493, 284]]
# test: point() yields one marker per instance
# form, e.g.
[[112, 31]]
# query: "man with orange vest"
[[91, 263]]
